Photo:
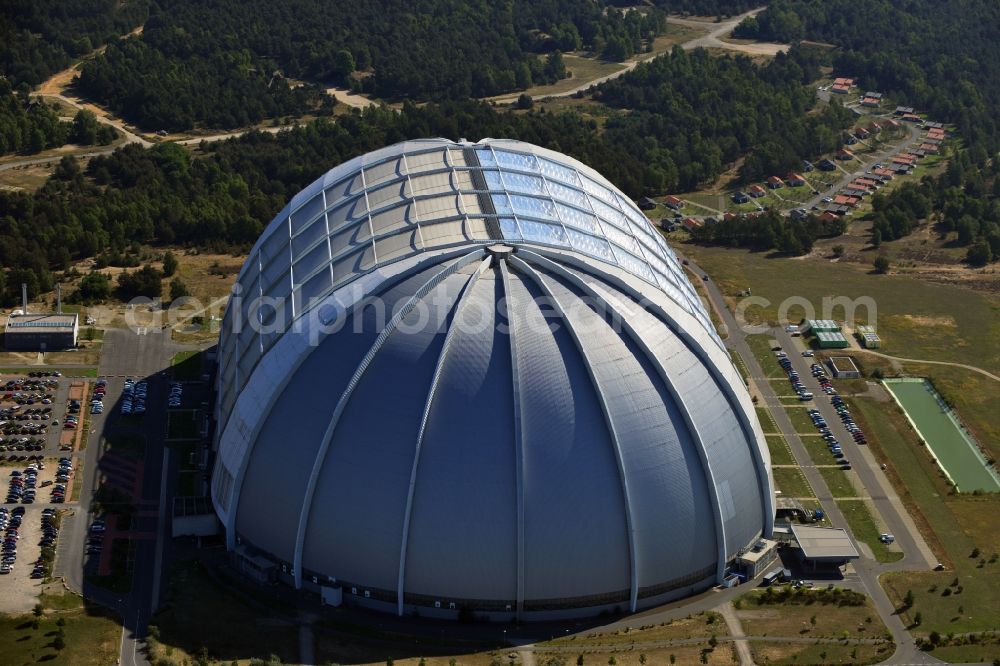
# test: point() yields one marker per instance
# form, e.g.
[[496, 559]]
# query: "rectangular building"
[[843, 367], [831, 340], [41, 332]]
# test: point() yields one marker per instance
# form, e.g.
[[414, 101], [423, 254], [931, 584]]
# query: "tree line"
[[769, 231], [227, 63]]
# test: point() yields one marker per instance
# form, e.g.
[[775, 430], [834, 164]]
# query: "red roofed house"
[[869, 101], [928, 147], [843, 81], [840, 90], [862, 133], [729, 217], [774, 182], [912, 118], [866, 181], [690, 223], [796, 180], [845, 154], [756, 191], [842, 200], [893, 122], [858, 187], [673, 202], [875, 128], [827, 216], [888, 173]]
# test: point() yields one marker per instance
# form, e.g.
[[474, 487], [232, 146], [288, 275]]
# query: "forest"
[[942, 56], [30, 126], [769, 231], [714, 110], [225, 63], [41, 37]]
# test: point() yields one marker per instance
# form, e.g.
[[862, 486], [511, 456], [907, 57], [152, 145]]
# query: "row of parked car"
[[21, 444], [10, 523], [793, 377], [95, 537], [65, 470], [831, 441], [23, 485], [134, 396], [845, 415], [176, 391], [97, 400], [50, 534]]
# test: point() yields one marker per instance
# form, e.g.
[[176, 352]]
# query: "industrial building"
[[821, 325], [480, 381], [41, 332], [867, 337], [831, 340]]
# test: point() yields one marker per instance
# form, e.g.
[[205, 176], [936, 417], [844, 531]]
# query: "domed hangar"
[[472, 375]]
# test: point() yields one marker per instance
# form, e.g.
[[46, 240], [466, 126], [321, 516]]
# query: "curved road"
[[709, 40]]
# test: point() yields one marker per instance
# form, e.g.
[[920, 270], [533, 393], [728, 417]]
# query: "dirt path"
[[709, 40], [925, 361], [57, 87], [714, 38], [349, 98], [736, 631]]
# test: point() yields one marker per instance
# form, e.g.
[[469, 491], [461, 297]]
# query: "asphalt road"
[[868, 570], [141, 356]]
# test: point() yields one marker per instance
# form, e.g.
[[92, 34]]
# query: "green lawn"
[[760, 346], [792, 483], [81, 371], [801, 421], [818, 450], [766, 422], [741, 367], [186, 366], [863, 526], [91, 637], [780, 453], [838, 482]]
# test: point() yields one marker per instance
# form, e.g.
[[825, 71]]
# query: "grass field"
[[859, 517], [793, 616], [792, 483], [760, 346], [801, 421], [780, 453], [838, 481], [954, 525], [766, 421], [66, 371], [916, 318], [89, 637]]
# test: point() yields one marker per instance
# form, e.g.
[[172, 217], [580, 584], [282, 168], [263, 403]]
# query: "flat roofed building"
[[41, 332], [831, 340], [824, 545], [843, 367], [757, 559], [822, 325]]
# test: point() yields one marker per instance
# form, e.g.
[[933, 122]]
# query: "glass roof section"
[[434, 194]]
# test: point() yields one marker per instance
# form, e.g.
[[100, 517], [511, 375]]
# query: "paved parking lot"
[[18, 591]]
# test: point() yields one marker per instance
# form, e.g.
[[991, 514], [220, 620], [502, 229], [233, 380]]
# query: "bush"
[[881, 265]]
